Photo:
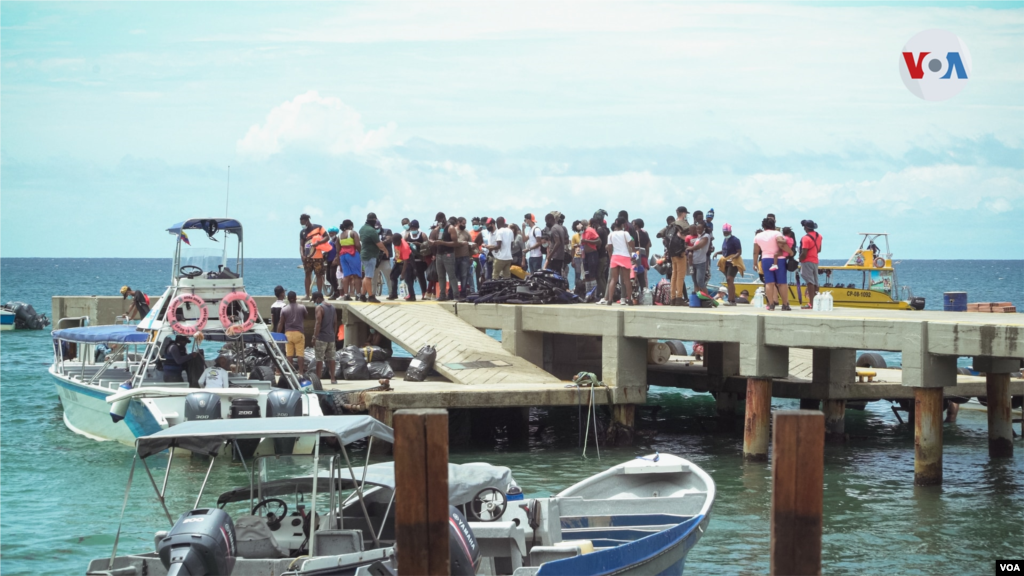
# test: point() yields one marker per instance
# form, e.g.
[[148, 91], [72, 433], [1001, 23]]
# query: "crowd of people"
[[452, 256]]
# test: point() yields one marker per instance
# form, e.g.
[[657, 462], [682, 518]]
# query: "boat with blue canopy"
[[126, 381]]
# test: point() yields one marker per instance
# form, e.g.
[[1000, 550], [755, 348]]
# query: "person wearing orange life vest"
[[313, 243], [140, 302]]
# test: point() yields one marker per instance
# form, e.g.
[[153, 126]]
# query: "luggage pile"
[[541, 287]]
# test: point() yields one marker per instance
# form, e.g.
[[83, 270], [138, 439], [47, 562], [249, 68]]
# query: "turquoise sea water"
[[60, 494]]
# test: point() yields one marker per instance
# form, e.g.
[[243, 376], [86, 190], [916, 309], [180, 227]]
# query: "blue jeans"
[[535, 263], [464, 270]]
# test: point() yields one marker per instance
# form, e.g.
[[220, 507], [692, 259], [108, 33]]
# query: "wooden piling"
[[757, 419], [421, 491], [1000, 416], [725, 405], [798, 463], [835, 419], [927, 436]]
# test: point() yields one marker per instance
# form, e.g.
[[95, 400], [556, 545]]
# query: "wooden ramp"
[[465, 355]]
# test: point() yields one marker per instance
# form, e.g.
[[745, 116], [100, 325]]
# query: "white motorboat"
[[109, 379], [333, 518]]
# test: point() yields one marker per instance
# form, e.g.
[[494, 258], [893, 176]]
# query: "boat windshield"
[[200, 255]]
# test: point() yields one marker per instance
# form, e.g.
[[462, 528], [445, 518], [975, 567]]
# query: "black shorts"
[[730, 270]]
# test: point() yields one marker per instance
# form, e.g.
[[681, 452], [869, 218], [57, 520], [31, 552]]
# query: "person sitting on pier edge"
[[140, 302], [178, 359], [743, 298], [323, 332], [292, 317], [216, 376]]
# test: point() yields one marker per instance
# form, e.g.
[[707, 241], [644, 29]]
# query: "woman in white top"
[[620, 246]]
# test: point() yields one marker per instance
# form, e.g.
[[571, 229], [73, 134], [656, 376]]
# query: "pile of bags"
[[541, 287]]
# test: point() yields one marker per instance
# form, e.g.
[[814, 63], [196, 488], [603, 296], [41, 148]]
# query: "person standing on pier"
[[313, 242], [140, 302], [371, 247], [557, 242], [348, 259], [292, 318], [731, 262], [620, 246], [447, 241], [404, 267], [676, 251], [591, 260], [418, 246], [323, 332], [277, 306], [464, 259], [502, 250], [698, 254], [382, 274], [769, 245], [810, 246], [532, 234], [602, 253], [331, 259]]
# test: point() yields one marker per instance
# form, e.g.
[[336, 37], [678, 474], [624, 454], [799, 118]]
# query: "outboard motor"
[[463, 549], [25, 316], [202, 406], [917, 303], [201, 543], [284, 403], [245, 408]]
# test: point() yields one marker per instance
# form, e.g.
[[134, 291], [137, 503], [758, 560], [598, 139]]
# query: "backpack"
[[676, 245], [663, 293]]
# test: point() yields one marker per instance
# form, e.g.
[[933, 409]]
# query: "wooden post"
[[757, 419], [927, 436], [1000, 416], [421, 491], [835, 419], [798, 463]]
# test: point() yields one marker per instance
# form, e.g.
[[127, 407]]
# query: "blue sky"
[[120, 119]]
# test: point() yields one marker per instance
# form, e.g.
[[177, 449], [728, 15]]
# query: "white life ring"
[[181, 327], [225, 320]]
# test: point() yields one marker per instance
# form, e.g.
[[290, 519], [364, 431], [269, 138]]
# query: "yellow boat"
[[877, 286]]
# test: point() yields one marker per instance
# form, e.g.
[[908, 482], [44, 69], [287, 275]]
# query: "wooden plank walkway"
[[412, 326]]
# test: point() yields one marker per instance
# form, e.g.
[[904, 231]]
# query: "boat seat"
[[503, 541], [254, 539], [562, 550], [337, 542]]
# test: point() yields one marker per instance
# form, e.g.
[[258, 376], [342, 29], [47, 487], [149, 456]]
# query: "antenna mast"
[[227, 195]]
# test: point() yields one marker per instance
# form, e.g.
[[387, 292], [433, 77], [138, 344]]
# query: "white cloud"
[[312, 122]]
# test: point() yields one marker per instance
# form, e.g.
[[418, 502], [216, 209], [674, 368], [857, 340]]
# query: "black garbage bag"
[[376, 353], [353, 364], [421, 365], [380, 369]]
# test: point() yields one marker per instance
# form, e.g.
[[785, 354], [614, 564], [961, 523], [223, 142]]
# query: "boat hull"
[[87, 413], [6, 320], [841, 297]]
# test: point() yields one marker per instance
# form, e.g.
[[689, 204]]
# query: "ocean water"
[[61, 494]]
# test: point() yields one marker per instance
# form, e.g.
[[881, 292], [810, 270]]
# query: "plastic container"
[[694, 301], [758, 300], [954, 301], [827, 302]]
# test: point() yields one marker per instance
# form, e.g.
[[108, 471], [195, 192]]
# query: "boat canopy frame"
[[211, 226]]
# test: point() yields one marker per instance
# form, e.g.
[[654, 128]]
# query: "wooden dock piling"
[[1000, 416], [798, 464], [835, 419], [757, 419], [421, 491], [927, 436]]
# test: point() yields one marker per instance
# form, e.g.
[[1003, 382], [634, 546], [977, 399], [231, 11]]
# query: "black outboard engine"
[[202, 406], [201, 543], [463, 549], [25, 317], [917, 303], [284, 403], [245, 408]]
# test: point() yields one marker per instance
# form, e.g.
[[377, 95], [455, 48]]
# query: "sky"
[[120, 119]]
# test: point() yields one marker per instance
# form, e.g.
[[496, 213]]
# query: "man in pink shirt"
[[768, 245]]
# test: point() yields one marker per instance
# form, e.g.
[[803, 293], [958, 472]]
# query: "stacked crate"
[[1003, 307]]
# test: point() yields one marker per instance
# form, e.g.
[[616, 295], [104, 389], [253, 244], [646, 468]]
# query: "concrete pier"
[[749, 353]]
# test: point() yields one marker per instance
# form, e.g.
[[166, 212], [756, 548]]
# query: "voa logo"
[[935, 65]]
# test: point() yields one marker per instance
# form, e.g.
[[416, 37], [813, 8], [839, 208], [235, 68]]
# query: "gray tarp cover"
[[464, 481], [207, 436]]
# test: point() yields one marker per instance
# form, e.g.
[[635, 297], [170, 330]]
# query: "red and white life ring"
[[179, 326], [250, 303]]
